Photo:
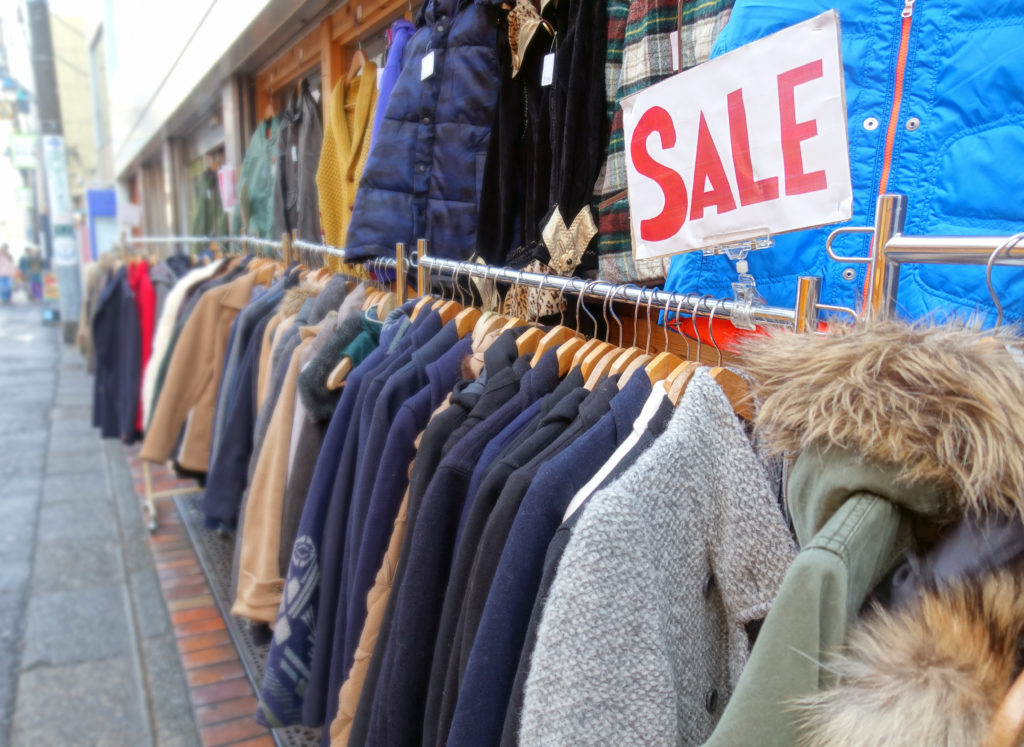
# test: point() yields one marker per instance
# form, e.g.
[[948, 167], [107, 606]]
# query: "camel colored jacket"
[[189, 392], [259, 575]]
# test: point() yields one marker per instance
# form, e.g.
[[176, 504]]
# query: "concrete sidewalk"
[[87, 652]]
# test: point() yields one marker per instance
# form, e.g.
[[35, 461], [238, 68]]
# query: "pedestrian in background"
[[31, 266], [7, 271]]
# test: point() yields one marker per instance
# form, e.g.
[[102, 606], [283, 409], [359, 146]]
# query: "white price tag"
[[547, 73], [427, 68], [295, 153], [674, 41]]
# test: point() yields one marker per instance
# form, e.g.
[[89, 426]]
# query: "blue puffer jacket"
[[958, 142], [423, 175]]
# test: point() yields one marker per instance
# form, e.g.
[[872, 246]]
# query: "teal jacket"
[[955, 135]]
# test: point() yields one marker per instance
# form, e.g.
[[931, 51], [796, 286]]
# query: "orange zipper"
[[897, 93], [894, 114]]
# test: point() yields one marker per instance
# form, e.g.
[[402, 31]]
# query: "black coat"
[[117, 344]]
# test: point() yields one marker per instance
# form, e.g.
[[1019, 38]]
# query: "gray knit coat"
[[643, 635]]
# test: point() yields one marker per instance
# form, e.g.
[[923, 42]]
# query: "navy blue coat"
[[494, 656], [117, 345], [426, 165]]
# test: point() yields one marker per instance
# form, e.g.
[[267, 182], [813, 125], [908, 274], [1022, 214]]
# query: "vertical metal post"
[[808, 290], [883, 275], [400, 278], [286, 248], [422, 277]]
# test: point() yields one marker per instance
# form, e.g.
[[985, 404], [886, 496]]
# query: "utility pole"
[[64, 256]]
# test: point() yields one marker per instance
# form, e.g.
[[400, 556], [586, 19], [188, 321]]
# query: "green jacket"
[[894, 432], [852, 525]]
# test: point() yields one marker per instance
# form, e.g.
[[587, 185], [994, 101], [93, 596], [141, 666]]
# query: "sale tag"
[[752, 140], [427, 67], [295, 153], [547, 73], [673, 39]]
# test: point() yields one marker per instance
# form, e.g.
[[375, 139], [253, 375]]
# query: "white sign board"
[[748, 143]]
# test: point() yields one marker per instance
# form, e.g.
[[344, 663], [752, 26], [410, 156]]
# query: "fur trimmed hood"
[[932, 674], [943, 405], [293, 298], [938, 409]]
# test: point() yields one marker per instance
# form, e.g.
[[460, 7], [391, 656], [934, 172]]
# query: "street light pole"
[[64, 256]]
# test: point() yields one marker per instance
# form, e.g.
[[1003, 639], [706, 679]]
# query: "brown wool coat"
[[189, 393]]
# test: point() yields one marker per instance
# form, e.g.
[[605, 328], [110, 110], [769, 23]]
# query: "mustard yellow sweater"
[[346, 145]]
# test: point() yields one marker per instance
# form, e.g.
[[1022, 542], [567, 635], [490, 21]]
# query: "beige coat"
[[259, 575], [189, 393]]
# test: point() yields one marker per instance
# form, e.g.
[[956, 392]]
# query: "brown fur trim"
[[295, 297], [945, 404], [932, 674]]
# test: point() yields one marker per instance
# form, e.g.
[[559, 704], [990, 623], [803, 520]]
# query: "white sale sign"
[[751, 142]]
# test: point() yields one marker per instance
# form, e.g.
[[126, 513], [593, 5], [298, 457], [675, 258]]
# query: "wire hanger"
[[1008, 246], [664, 363]]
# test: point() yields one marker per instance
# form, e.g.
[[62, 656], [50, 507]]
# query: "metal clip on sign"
[[736, 247]]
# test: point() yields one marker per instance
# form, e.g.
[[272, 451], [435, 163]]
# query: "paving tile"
[[199, 626], [81, 704], [203, 641], [207, 612], [150, 609], [231, 732], [173, 716], [179, 563], [208, 656], [73, 519], [179, 571], [190, 603], [235, 688], [265, 741], [214, 673], [187, 579], [73, 563], [98, 630], [195, 589], [226, 710]]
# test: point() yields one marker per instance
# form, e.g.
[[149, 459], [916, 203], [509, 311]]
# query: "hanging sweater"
[[644, 632], [346, 146]]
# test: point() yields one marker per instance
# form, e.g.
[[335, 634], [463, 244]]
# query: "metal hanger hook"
[[696, 334], [679, 313], [1010, 244], [711, 330]]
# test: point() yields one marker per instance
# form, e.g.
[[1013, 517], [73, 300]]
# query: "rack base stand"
[[152, 497]]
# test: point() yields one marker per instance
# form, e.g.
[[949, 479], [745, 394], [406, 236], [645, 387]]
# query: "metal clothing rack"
[[287, 249], [892, 249]]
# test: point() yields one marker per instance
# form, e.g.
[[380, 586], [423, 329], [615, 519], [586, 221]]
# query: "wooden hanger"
[[600, 364], [552, 339], [623, 360], [358, 60], [736, 389], [566, 355], [598, 360], [420, 306], [679, 379], [336, 378], [372, 296], [662, 365], [387, 303], [490, 324], [529, 340], [635, 365], [465, 320]]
